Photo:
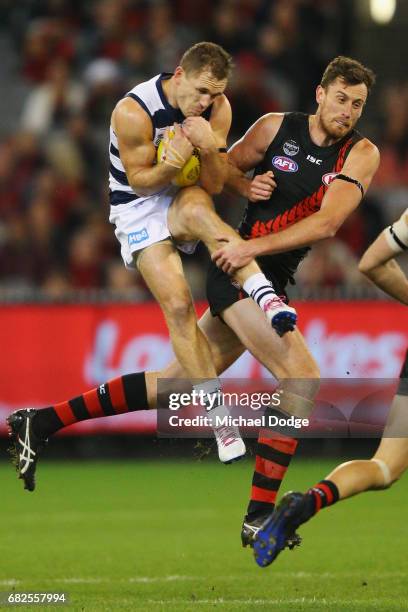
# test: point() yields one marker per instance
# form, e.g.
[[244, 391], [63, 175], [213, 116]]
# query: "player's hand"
[[199, 132], [234, 254], [262, 187], [179, 142]]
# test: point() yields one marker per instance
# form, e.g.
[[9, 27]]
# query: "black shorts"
[[403, 383], [222, 293]]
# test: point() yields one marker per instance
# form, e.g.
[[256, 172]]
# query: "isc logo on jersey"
[[285, 164]]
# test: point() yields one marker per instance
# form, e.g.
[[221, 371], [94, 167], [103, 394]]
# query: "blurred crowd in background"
[[65, 64]]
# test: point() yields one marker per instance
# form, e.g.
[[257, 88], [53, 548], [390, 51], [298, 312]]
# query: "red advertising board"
[[52, 353]]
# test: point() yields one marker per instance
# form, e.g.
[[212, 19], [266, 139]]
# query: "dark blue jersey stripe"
[[140, 101], [120, 197], [114, 151], [118, 175], [165, 118]]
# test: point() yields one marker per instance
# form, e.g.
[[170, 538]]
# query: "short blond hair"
[[207, 55]]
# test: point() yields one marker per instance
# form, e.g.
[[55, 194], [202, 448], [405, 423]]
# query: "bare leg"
[[286, 358], [388, 464], [161, 268], [192, 216], [225, 349]]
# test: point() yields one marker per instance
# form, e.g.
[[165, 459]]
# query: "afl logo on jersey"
[[291, 147], [329, 177], [285, 164]]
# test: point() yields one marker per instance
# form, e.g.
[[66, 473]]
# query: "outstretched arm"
[[378, 263]]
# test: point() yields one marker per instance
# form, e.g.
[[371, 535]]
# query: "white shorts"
[[142, 223]]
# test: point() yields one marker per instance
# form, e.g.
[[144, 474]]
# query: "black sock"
[[324, 494], [124, 394]]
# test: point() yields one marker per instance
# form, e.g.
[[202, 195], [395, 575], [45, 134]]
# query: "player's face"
[[196, 91], [340, 107]]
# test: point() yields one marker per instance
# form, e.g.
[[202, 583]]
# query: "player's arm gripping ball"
[[189, 169]]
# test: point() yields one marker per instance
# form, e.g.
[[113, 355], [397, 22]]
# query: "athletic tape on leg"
[[385, 471], [396, 234]]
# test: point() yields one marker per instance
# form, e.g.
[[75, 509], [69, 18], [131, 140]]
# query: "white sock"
[[260, 289], [210, 392]]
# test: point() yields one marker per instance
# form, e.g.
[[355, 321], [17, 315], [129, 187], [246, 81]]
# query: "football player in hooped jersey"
[[152, 216]]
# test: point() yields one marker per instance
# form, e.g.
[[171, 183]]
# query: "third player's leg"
[[389, 462]]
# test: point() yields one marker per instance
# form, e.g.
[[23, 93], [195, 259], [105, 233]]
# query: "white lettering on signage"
[[355, 354]]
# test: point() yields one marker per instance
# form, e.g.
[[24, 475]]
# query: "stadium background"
[[71, 317]]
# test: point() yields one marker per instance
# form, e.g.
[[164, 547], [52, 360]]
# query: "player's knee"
[[362, 267], [305, 376], [178, 308], [300, 388], [197, 208]]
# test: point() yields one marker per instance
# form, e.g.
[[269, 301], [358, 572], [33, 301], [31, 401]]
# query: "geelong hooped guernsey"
[[303, 172], [151, 97]]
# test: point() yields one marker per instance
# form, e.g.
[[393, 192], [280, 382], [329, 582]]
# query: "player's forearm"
[[213, 171], [301, 234], [147, 181], [237, 183], [390, 278]]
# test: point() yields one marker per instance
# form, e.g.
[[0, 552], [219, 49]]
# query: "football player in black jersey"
[[310, 172], [391, 458]]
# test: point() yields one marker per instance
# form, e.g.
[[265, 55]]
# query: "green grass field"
[[165, 536]]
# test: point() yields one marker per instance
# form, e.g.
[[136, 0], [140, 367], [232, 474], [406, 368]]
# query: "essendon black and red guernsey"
[[303, 172]]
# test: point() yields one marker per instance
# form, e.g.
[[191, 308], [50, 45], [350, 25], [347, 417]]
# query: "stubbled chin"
[[338, 131], [343, 128]]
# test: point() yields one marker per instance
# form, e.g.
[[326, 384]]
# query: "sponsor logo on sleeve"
[[291, 147], [139, 236], [285, 164], [329, 177]]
